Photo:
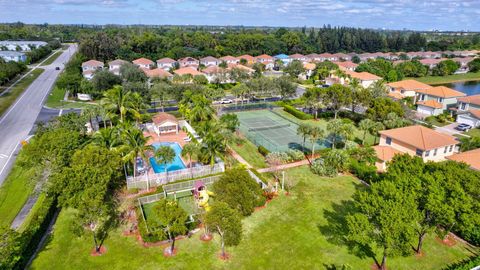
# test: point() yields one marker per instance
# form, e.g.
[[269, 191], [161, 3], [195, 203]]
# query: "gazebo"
[[165, 123]]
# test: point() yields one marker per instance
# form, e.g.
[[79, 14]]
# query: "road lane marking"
[[8, 160], [3, 156]]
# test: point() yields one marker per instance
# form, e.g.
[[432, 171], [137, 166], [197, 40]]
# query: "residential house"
[[366, 79], [249, 60], [13, 45], [468, 110], [313, 57], [416, 140], [434, 100], [249, 71], [463, 61], [143, 63], [347, 65], [471, 158], [189, 62], [216, 74], [114, 66], [8, 56], [405, 88], [264, 59], [165, 123], [89, 67], [283, 57], [431, 63], [230, 59], [166, 63], [157, 73], [309, 69], [342, 56], [210, 61], [188, 71], [327, 57], [299, 57]]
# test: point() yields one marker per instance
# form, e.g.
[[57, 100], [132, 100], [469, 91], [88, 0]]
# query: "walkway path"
[[239, 158]]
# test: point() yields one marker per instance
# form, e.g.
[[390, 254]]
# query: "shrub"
[[239, 190], [319, 167], [363, 171], [262, 150], [282, 156], [295, 155], [298, 114], [465, 265], [331, 163]]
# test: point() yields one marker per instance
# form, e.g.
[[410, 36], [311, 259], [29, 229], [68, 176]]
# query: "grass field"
[[475, 132], [52, 58], [471, 76], [249, 152], [14, 192], [10, 97], [300, 231], [55, 100]]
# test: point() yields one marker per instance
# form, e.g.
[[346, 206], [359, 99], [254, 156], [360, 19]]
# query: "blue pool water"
[[177, 163]]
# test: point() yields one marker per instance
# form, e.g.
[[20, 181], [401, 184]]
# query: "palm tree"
[[135, 145], [303, 130], [347, 132], [378, 89], [90, 112], [355, 87], [366, 125], [190, 150], [314, 134], [107, 137], [118, 102], [334, 126], [212, 147], [164, 155], [375, 129]]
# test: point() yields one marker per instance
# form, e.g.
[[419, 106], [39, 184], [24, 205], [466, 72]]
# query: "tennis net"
[[268, 127]]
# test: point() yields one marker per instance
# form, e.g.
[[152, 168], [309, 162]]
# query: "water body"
[[469, 88]]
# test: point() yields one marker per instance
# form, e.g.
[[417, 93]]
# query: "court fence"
[[246, 107]]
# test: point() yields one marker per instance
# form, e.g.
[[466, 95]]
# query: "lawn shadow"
[[336, 229]]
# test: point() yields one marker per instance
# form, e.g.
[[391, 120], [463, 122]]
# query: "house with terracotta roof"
[[89, 67], [416, 140], [210, 61], [230, 59], [471, 158], [268, 65], [250, 60], [114, 66], [434, 100], [300, 57], [365, 78], [157, 73], [468, 110], [406, 88], [309, 69], [216, 74], [264, 58], [189, 62], [342, 56], [327, 57], [249, 71], [188, 71], [166, 63], [313, 57], [143, 63], [347, 65], [165, 123], [431, 63]]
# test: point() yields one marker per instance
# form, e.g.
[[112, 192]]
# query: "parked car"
[[57, 68], [226, 101], [463, 127]]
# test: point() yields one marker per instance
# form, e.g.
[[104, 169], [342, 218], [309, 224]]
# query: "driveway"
[[450, 130]]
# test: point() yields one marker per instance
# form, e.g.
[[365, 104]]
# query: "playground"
[[273, 131]]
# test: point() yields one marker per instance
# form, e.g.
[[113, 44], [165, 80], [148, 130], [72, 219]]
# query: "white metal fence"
[[188, 185], [145, 181]]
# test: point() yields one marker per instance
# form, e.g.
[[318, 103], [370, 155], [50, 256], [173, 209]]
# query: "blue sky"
[[390, 14]]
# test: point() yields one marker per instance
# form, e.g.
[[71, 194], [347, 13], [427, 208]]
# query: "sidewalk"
[[285, 166], [239, 158]]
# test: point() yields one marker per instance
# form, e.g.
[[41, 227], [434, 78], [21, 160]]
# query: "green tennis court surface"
[[272, 131]]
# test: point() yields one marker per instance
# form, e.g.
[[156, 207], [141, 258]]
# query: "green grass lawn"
[[55, 100], [9, 98], [302, 231], [475, 132], [249, 152], [14, 192], [471, 76], [52, 58]]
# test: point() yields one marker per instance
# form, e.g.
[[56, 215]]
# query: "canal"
[[469, 88]]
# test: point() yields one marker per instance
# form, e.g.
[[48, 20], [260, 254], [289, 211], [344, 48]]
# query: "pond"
[[469, 88]]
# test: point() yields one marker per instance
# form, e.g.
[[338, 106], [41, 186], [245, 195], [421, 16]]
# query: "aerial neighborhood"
[[223, 147]]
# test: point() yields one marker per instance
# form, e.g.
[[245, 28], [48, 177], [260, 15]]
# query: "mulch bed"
[[225, 257], [95, 253], [420, 255], [375, 267], [206, 237], [448, 240]]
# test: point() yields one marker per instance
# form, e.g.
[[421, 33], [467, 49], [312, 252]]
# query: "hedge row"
[[298, 114], [465, 265]]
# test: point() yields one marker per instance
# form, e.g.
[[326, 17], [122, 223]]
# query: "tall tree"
[[314, 135], [164, 155], [226, 222], [337, 96]]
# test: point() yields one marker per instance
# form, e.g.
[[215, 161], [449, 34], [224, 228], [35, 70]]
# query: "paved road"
[[18, 121]]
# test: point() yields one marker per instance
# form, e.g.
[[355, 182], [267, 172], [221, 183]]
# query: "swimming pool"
[[177, 163]]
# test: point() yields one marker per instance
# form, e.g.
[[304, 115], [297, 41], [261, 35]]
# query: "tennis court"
[[273, 131]]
